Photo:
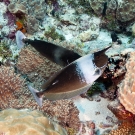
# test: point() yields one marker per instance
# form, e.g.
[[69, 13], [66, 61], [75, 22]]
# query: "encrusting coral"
[[127, 89], [27, 122]]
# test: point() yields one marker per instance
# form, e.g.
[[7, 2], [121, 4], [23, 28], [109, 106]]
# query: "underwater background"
[[68, 31]]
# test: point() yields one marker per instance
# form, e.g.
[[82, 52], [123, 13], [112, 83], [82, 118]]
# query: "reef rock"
[[27, 122], [3, 20], [92, 32], [34, 12], [97, 6], [125, 10]]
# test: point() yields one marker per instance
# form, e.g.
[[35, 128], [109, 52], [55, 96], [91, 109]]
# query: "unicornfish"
[[74, 79], [55, 53]]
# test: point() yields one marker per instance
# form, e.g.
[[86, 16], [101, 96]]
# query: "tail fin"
[[34, 93], [19, 37]]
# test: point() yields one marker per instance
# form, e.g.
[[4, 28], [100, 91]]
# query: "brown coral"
[[127, 89], [28, 61], [10, 83], [125, 128]]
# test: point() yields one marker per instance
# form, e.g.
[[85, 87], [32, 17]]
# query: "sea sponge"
[[127, 88], [26, 122]]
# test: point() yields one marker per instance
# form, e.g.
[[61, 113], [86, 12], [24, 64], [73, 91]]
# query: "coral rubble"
[[27, 122]]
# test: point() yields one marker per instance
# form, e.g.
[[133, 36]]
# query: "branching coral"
[[31, 61], [28, 61], [27, 122], [14, 94], [10, 83]]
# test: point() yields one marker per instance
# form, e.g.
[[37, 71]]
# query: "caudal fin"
[[19, 37], [34, 93]]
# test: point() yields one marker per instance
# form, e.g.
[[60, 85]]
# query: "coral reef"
[[28, 61], [42, 66], [10, 83], [127, 90], [5, 51], [3, 20], [33, 8], [15, 8], [90, 34], [14, 94], [119, 111], [32, 24], [51, 33], [33, 11], [95, 88], [125, 128], [27, 122], [97, 6], [127, 6]]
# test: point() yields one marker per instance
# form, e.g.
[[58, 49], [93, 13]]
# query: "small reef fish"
[[74, 79], [55, 53]]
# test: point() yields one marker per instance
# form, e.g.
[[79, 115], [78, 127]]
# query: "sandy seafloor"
[[89, 109]]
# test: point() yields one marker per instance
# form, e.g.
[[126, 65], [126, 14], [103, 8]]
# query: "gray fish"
[[74, 79]]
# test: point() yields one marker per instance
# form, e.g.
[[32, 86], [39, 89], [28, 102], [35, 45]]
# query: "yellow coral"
[[26, 122]]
